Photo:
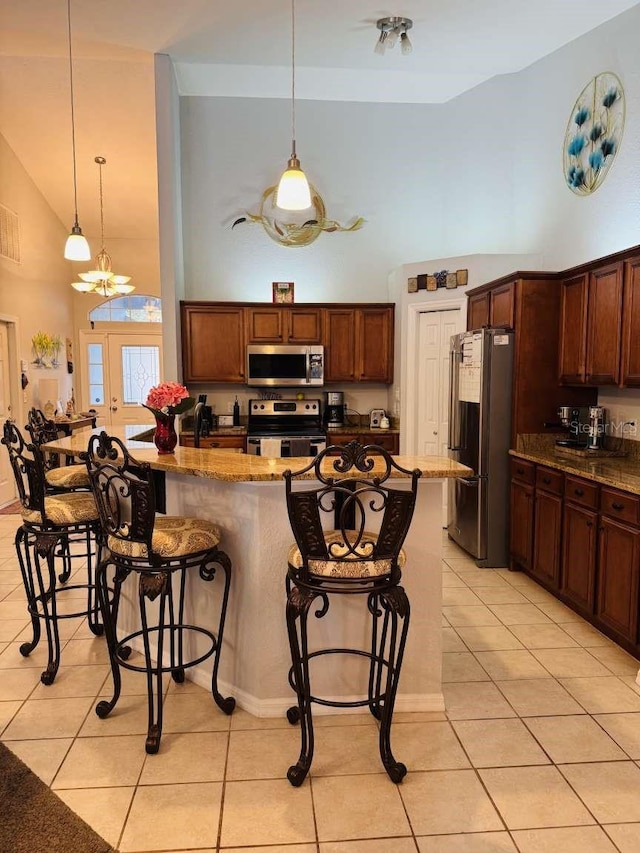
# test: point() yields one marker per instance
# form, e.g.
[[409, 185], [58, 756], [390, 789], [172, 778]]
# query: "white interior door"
[[7, 481], [118, 371]]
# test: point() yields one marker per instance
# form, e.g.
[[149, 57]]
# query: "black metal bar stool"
[[357, 551], [159, 550], [49, 523], [58, 477]]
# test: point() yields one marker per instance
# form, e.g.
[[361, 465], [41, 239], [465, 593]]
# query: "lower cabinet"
[[582, 542], [217, 442], [389, 440]]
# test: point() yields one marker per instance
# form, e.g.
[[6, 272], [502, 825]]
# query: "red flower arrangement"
[[169, 398]]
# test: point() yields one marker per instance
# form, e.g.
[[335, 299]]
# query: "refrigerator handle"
[[454, 426]]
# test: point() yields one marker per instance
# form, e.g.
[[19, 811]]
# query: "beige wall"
[[36, 290]]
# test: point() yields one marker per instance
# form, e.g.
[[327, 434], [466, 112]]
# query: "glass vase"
[[165, 437]]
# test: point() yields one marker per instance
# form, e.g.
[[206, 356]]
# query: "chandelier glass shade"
[[76, 247], [392, 29], [293, 191], [102, 280]]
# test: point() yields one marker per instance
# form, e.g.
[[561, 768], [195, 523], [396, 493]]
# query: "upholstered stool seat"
[[345, 563], [64, 509], [56, 527], [68, 477], [163, 553], [337, 551], [173, 536]]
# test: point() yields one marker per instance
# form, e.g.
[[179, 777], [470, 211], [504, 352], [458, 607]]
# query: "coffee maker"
[[595, 438], [576, 420], [333, 409]]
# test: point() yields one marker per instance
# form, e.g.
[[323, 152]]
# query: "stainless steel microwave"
[[280, 364]]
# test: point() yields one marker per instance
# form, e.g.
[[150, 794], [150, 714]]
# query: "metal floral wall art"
[[594, 133], [292, 227]]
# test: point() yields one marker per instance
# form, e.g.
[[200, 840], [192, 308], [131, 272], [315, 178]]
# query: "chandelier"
[[392, 29], [102, 280]]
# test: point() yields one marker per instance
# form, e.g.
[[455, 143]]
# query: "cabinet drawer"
[[220, 442], [620, 505], [523, 471], [581, 491], [549, 480]]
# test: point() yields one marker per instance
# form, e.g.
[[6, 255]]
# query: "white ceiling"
[[241, 49]]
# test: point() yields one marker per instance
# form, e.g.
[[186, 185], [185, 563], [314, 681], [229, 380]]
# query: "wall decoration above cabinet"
[[594, 132]]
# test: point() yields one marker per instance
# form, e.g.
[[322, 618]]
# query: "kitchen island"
[[245, 496]]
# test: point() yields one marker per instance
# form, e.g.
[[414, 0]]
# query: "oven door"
[[299, 445]]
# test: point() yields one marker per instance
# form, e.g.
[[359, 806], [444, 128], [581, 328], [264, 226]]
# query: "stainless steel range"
[[285, 428]]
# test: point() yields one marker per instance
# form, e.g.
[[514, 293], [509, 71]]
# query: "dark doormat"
[[11, 509], [34, 820]]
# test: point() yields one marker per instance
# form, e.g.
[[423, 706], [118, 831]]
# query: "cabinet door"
[[578, 570], [617, 598], [265, 325], [631, 322], [212, 344], [502, 307], [478, 311], [340, 345], [521, 534], [304, 325], [573, 330], [546, 538], [604, 326], [374, 336]]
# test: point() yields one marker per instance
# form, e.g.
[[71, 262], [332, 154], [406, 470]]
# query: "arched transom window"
[[128, 309]]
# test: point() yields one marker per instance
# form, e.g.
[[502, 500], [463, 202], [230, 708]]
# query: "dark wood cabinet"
[[478, 311], [591, 327], [281, 325], [578, 566], [630, 361], [547, 526], [359, 344], [604, 325], [388, 440], [217, 442], [618, 569], [502, 309], [573, 329], [212, 343], [521, 532]]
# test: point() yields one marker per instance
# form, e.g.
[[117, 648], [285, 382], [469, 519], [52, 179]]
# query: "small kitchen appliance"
[[277, 365], [375, 418], [333, 409], [595, 437], [292, 427], [575, 419]]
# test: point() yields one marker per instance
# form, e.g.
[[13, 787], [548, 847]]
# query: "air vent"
[[9, 234]]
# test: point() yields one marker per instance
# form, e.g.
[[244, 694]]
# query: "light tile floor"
[[539, 749]]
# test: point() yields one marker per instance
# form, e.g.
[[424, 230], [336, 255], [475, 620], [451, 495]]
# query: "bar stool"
[[49, 522], [156, 549], [349, 528], [58, 477]]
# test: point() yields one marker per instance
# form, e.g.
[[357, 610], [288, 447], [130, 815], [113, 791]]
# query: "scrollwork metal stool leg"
[[298, 603], [109, 620], [208, 573], [396, 606]]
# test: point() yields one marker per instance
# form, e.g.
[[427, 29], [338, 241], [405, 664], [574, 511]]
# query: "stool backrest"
[[28, 468], [353, 495], [42, 429], [123, 490]]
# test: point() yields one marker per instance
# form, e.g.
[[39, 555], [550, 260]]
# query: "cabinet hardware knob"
[[617, 506], [589, 523], [519, 471], [578, 492], [546, 480]]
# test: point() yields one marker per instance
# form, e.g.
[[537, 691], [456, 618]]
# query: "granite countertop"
[[621, 473], [234, 467]]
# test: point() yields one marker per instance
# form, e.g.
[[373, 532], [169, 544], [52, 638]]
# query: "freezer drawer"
[[466, 508]]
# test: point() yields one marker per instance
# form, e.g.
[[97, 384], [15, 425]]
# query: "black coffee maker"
[[333, 409], [204, 416]]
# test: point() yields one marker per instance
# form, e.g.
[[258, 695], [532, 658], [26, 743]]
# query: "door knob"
[[114, 408], [435, 432]]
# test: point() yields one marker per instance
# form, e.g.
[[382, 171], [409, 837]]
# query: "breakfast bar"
[[245, 496]]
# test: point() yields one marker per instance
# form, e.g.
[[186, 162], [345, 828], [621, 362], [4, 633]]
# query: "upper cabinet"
[[492, 308], [359, 344], [212, 342], [277, 325], [630, 362], [358, 339], [591, 327]]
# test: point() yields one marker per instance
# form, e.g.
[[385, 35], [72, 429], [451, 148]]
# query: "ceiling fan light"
[[77, 247], [293, 191]]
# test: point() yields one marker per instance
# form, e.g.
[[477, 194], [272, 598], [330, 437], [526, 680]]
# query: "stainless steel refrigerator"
[[481, 366]]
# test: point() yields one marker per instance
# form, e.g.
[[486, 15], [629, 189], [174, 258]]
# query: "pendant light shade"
[[76, 247], [293, 191]]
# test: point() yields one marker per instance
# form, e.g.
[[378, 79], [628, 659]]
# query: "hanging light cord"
[[100, 163], [293, 75], [73, 122]]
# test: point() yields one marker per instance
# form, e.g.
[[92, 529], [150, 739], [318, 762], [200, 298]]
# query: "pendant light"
[[293, 190], [102, 280], [77, 247]]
